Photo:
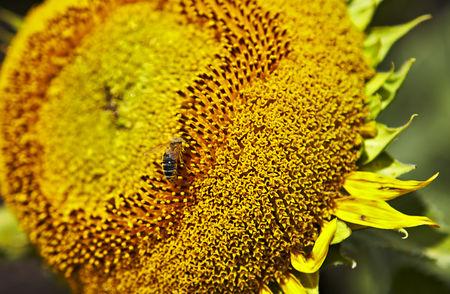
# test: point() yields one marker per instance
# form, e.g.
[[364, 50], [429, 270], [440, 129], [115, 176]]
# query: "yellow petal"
[[265, 290], [361, 184], [291, 285], [342, 232], [376, 213], [313, 262]]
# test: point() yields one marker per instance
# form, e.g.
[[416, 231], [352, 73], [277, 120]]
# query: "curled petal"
[[376, 213], [404, 233], [313, 262], [361, 184]]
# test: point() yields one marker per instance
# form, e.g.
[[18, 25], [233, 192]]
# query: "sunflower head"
[[154, 146]]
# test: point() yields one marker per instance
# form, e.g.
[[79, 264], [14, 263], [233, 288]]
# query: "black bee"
[[172, 159]]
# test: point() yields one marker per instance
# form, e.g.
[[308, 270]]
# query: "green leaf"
[[385, 135], [362, 11], [380, 39], [385, 165]]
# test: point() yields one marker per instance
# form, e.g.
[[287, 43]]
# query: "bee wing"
[[156, 150], [159, 149]]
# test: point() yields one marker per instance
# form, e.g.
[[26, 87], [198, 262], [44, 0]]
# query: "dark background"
[[381, 268]]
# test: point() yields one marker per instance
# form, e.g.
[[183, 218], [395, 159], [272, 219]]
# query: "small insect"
[[172, 159]]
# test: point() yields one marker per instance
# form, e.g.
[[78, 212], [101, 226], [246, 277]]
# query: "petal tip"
[[433, 177], [404, 233]]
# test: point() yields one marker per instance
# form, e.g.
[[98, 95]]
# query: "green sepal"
[[5, 36], [385, 165], [10, 18], [392, 84], [9, 24], [377, 82], [373, 103], [362, 11], [13, 241], [380, 39], [374, 146], [383, 87]]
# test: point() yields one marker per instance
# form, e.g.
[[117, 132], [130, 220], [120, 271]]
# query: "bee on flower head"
[[172, 159]]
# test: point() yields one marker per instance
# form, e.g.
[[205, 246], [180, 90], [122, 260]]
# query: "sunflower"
[[274, 104]]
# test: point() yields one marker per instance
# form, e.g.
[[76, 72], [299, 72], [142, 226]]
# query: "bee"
[[172, 159]]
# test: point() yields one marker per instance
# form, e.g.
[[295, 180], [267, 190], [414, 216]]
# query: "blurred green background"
[[386, 263]]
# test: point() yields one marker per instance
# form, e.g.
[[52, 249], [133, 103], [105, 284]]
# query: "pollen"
[[267, 97]]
